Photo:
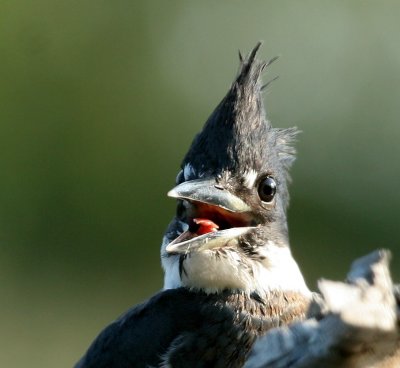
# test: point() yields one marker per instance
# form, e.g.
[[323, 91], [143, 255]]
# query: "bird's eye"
[[267, 189]]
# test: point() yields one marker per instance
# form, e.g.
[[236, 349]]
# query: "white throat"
[[211, 272]]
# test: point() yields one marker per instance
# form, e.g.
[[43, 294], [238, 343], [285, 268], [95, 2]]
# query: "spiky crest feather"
[[237, 135]]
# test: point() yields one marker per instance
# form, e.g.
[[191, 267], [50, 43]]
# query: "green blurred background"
[[99, 101]]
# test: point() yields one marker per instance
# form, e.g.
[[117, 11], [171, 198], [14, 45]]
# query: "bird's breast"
[[231, 322]]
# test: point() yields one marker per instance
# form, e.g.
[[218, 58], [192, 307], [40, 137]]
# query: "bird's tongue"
[[205, 226], [202, 226]]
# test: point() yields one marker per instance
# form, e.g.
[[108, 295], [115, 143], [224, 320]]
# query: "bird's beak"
[[207, 191], [217, 208]]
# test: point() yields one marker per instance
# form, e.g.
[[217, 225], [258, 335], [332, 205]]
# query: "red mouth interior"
[[205, 226], [205, 219]]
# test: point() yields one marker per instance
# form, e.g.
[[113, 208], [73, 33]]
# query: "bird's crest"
[[237, 135]]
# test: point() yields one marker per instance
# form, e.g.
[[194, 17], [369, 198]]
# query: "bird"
[[229, 274]]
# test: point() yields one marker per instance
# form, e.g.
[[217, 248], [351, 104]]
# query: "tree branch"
[[352, 324]]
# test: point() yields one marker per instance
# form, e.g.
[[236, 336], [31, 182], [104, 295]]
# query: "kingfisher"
[[229, 272]]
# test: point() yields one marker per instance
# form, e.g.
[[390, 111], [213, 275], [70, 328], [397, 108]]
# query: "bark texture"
[[350, 324]]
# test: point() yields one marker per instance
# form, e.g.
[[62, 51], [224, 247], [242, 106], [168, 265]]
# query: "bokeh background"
[[99, 101]]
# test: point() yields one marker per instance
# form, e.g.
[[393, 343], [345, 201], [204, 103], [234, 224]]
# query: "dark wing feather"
[[144, 333], [186, 328]]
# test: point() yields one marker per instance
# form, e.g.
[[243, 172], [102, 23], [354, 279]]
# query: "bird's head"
[[230, 229]]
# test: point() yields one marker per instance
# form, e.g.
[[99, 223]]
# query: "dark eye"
[[267, 189]]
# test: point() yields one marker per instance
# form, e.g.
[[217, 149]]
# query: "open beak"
[[217, 218]]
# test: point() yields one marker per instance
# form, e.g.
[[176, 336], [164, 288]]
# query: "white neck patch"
[[212, 273]]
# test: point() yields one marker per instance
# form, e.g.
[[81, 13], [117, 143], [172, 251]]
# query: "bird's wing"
[[143, 334], [186, 328]]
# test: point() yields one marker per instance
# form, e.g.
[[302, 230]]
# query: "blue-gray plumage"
[[229, 273], [207, 330]]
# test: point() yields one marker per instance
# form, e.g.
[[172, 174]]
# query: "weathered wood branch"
[[352, 324]]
